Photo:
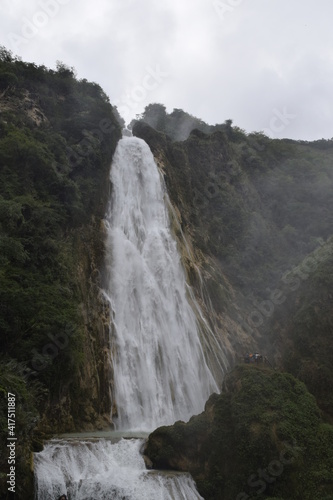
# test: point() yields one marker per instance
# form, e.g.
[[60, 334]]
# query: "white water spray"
[[103, 471], [160, 371]]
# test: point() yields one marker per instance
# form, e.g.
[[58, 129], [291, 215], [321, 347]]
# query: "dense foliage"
[[302, 331], [258, 205], [261, 438], [178, 124], [259, 212], [57, 137]]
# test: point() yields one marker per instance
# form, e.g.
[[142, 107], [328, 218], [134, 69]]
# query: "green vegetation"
[[258, 213], [14, 378], [306, 324], [261, 438], [57, 138], [256, 204], [178, 125], [255, 209]]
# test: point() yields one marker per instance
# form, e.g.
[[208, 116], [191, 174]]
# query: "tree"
[[64, 70], [155, 116], [5, 55], [7, 79]]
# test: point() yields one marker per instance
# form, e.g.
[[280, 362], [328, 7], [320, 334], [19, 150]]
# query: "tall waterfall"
[[160, 371]]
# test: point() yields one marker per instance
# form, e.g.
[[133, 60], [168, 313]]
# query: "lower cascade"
[[105, 470], [160, 371]]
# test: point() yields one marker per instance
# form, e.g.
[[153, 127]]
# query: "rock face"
[[57, 139], [255, 214], [262, 437], [211, 285]]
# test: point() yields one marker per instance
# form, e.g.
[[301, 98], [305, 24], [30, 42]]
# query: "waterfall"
[[103, 470], [160, 371]]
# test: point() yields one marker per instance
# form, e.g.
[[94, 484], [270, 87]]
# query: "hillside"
[[57, 138], [254, 226], [258, 214], [262, 437]]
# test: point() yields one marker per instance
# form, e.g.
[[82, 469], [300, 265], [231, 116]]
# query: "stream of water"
[[103, 470], [160, 371]]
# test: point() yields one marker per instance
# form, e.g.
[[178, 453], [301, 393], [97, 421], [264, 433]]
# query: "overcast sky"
[[265, 64]]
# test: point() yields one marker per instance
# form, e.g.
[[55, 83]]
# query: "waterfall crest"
[[160, 371]]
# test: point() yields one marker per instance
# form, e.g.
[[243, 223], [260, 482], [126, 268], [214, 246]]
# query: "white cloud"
[[258, 57]]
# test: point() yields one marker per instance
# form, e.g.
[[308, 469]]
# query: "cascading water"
[[103, 470], [160, 370]]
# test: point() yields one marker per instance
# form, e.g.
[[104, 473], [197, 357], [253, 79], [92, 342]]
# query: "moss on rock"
[[262, 437]]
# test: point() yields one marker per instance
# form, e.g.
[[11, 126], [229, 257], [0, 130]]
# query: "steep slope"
[[302, 331], [254, 209], [57, 138]]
